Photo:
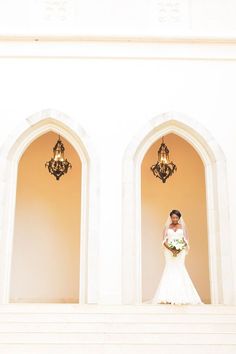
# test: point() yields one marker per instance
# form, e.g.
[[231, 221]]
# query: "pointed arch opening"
[[136, 224], [184, 190], [70, 241]]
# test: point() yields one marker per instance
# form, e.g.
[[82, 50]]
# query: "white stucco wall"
[[113, 88]]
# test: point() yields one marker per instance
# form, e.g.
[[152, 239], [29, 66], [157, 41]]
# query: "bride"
[[175, 286]]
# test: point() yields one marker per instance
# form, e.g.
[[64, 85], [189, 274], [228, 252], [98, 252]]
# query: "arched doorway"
[[185, 191], [221, 278], [46, 242], [36, 127]]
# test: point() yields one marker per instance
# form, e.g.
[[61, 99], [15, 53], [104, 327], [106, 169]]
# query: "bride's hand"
[[175, 252]]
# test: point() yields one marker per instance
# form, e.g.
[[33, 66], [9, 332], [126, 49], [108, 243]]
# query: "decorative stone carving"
[[52, 12], [56, 9], [171, 12]]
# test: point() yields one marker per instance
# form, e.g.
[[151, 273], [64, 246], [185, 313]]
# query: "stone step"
[[100, 309], [170, 316], [74, 328], [119, 338], [115, 327], [115, 349]]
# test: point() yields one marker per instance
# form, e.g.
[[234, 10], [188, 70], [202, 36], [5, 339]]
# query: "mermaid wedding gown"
[[175, 286]]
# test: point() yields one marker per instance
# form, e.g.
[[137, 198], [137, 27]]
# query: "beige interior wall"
[[46, 246], [185, 191]]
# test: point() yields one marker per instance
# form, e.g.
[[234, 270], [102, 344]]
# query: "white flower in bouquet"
[[177, 243]]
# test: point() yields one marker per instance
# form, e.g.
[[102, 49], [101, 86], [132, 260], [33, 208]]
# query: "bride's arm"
[[165, 242], [166, 245], [173, 250]]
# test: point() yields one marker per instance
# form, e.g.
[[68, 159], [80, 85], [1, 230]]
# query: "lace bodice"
[[175, 234]]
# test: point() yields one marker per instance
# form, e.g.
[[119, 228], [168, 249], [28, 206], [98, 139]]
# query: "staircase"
[[75, 329]]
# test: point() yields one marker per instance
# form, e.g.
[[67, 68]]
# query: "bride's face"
[[174, 219]]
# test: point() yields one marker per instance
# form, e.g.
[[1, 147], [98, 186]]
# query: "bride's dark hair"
[[175, 212]]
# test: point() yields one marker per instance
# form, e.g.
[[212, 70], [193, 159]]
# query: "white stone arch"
[[220, 262], [33, 127]]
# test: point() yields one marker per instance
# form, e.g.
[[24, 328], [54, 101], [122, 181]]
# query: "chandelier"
[[163, 169], [58, 165]]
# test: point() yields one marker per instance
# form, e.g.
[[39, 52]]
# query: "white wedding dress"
[[175, 286]]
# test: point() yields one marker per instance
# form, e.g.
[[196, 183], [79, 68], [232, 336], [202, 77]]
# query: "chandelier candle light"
[[58, 165], [163, 169]]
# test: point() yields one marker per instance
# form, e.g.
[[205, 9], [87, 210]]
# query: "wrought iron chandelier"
[[58, 165], [163, 169]]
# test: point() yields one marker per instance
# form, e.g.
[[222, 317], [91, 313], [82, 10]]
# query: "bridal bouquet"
[[177, 244]]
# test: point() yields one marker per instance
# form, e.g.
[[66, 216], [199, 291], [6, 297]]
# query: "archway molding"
[[29, 130], [220, 263]]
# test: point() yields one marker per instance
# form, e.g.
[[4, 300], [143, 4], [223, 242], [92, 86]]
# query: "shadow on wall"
[[185, 191]]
